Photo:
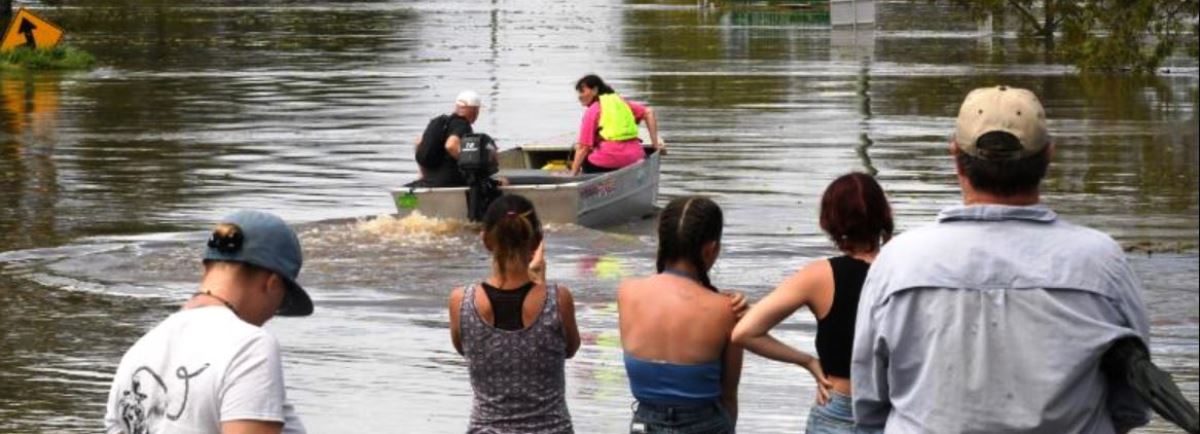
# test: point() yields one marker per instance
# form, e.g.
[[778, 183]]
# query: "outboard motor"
[[477, 161]]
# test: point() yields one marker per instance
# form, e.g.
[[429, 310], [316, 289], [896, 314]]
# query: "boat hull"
[[590, 200]]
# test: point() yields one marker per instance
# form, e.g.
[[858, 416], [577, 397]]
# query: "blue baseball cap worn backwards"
[[265, 241]]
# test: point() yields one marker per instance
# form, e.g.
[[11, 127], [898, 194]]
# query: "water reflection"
[[29, 108]]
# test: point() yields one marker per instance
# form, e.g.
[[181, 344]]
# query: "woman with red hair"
[[856, 216]]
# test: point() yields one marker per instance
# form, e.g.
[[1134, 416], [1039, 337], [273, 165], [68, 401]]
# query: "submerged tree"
[[1103, 35]]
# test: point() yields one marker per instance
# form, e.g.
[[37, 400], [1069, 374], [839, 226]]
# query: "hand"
[[737, 301], [823, 384], [661, 146], [537, 267]]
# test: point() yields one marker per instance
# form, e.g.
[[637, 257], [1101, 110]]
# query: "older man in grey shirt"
[[995, 318]]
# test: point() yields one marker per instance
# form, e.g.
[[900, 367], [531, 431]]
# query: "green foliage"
[[1103, 35], [61, 57]]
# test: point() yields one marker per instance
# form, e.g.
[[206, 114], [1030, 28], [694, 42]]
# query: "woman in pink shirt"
[[608, 135]]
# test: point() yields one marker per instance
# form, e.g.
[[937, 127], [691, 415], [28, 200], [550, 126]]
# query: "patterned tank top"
[[517, 375]]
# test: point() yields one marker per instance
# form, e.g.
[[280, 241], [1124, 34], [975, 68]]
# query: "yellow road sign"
[[29, 30]]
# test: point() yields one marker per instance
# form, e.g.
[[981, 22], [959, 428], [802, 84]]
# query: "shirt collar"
[[1037, 213]]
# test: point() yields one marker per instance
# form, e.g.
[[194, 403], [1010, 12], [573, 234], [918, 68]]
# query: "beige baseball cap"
[[1001, 108]]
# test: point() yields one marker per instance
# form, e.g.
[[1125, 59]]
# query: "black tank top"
[[507, 305], [835, 333]]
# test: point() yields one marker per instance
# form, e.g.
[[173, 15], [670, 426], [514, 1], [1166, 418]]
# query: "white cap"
[[467, 98]]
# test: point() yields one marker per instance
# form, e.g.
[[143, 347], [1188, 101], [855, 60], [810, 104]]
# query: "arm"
[[251, 427], [454, 145], [869, 362], [581, 152], [731, 375], [537, 267], [588, 133], [456, 298], [652, 125], [769, 347], [566, 310], [793, 293], [252, 395], [1127, 409]]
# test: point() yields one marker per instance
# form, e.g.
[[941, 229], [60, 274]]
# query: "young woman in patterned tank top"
[[856, 216], [517, 373]]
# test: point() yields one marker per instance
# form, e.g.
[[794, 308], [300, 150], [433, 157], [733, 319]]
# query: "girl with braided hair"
[[675, 325]]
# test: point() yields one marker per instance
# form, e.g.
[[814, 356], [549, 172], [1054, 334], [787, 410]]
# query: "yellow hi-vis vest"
[[616, 119]]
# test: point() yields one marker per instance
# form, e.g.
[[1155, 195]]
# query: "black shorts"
[[588, 167]]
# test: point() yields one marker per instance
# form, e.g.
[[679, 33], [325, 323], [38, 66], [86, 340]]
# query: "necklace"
[[219, 298], [681, 273]]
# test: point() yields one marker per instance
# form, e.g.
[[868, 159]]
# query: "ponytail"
[[511, 230]]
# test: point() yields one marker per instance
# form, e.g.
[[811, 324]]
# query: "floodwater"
[[109, 178]]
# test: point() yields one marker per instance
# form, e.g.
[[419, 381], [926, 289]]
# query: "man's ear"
[[270, 279], [954, 152]]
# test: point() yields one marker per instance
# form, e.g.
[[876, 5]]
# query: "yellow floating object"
[[555, 165], [609, 268]]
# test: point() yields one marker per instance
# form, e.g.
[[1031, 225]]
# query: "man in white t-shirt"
[[211, 368]]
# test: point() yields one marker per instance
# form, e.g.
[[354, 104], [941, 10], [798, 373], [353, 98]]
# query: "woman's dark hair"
[[1004, 177], [593, 81], [511, 229], [856, 214], [685, 226]]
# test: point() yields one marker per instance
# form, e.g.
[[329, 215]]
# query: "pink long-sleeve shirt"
[[609, 154]]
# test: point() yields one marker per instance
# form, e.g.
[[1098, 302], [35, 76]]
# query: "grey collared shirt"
[[995, 319]]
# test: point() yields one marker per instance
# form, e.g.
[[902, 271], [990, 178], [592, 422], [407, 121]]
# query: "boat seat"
[[536, 177]]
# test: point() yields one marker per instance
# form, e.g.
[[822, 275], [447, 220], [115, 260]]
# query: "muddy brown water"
[[108, 178]]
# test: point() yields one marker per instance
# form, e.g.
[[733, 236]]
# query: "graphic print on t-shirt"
[[148, 398]]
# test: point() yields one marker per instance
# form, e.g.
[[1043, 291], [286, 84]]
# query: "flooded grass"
[[59, 58]]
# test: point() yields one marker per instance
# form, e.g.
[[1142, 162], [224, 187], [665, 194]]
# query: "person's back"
[[1003, 323], [181, 390], [996, 318], [211, 368], [857, 217], [437, 150], [675, 326], [514, 330], [674, 332], [518, 375]]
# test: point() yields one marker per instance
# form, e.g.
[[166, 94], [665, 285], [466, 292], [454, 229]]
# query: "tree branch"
[[1029, 17]]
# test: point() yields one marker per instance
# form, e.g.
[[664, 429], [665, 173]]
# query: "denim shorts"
[[835, 417], [708, 418]]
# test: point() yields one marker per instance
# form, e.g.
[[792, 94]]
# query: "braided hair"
[[512, 230], [685, 227]]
